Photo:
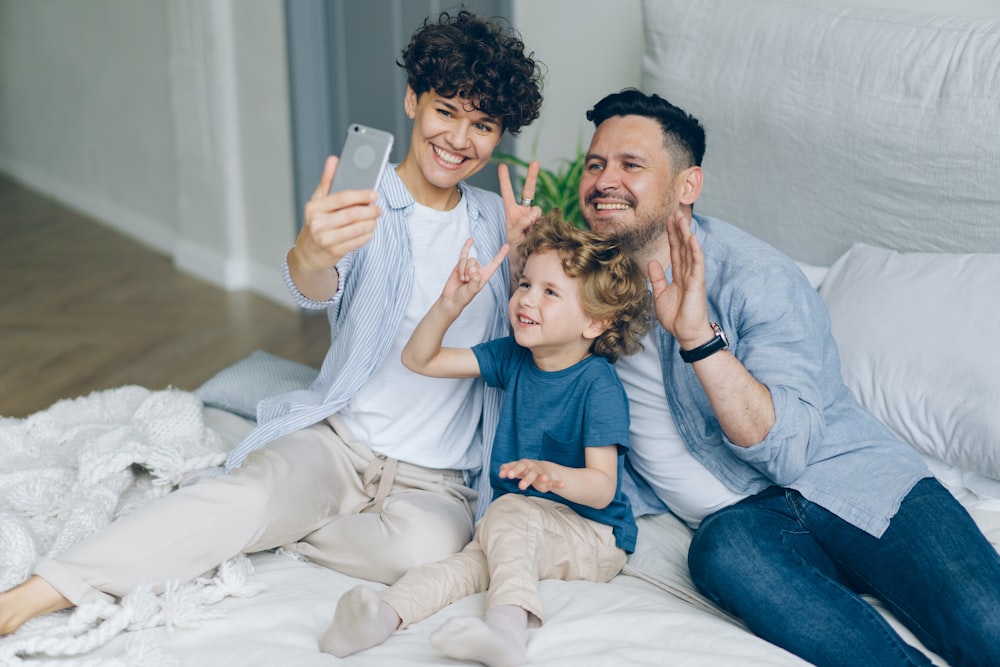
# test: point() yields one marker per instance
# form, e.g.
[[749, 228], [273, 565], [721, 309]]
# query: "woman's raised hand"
[[521, 213], [334, 225]]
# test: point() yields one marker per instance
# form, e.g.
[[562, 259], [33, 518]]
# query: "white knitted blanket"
[[75, 467]]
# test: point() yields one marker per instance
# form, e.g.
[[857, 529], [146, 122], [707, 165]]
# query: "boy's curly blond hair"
[[612, 286]]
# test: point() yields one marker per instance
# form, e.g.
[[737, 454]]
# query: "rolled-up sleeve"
[[311, 304], [786, 348]]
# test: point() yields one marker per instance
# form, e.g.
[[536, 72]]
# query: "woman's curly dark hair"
[[466, 56], [612, 286]]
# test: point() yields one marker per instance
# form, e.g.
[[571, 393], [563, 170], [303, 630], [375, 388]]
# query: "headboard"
[[835, 125]]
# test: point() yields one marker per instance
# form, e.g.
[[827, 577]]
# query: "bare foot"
[[26, 601]]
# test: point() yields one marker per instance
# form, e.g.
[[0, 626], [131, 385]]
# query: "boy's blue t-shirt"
[[555, 416]]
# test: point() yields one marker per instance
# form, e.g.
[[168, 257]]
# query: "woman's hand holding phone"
[[340, 216], [334, 225]]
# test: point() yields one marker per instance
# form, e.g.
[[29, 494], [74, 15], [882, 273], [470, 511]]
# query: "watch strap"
[[718, 342]]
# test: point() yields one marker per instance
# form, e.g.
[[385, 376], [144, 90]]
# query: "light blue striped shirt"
[[365, 315]]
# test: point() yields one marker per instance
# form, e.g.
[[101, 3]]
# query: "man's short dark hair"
[[683, 135]]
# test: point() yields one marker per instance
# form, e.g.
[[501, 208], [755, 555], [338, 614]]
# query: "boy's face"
[[546, 312], [450, 141]]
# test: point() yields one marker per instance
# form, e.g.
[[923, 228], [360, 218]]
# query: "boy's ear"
[[596, 328]]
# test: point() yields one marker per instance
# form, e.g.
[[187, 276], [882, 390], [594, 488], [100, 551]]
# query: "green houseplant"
[[558, 188]]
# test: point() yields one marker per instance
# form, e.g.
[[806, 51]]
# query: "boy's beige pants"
[[313, 492], [520, 541]]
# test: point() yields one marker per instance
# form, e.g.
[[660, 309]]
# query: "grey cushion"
[[238, 388]]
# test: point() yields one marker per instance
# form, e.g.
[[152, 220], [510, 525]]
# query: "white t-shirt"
[[658, 453], [428, 421]]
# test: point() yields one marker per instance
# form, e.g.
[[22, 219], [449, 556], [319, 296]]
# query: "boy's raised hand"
[[468, 277]]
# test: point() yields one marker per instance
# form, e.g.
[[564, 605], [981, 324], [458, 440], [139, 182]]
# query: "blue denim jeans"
[[794, 573]]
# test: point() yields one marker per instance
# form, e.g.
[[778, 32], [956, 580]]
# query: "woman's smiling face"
[[451, 140]]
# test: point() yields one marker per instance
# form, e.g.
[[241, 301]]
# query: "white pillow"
[[814, 274], [917, 338]]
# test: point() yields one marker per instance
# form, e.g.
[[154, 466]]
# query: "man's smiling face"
[[629, 184]]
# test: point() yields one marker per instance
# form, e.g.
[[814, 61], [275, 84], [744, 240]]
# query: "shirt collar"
[[397, 197]]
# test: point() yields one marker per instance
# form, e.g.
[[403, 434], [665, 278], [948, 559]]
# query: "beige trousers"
[[520, 541], [314, 492]]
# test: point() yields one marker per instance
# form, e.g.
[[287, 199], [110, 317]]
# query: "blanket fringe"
[[66, 472], [92, 625]]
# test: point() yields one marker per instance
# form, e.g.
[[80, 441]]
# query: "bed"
[[864, 143]]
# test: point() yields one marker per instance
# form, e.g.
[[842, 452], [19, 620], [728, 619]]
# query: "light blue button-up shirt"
[[365, 315], [823, 443]]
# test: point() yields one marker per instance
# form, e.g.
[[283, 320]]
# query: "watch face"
[[720, 334]]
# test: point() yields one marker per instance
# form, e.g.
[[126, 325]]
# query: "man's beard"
[[638, 236]]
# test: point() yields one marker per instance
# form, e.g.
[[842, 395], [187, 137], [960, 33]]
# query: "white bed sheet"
[[650, 615], [624, 622], [628, 621], [651, 618]]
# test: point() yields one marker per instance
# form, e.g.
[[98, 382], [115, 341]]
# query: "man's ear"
[[596, 328], [410, 103], [691, 181]]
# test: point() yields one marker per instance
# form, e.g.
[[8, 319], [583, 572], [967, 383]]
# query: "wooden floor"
[[84, 308]]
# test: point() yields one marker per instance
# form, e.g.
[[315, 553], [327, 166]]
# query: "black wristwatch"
[[718, 342]]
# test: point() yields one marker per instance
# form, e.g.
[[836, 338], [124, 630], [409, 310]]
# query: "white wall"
[[85, 109], [168, 119], [164, 119], [590, 48], [233, 148]]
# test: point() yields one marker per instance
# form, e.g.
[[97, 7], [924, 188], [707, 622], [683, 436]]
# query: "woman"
[[368, 471]]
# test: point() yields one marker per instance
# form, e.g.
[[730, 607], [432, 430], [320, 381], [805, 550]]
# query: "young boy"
[[558, 510]]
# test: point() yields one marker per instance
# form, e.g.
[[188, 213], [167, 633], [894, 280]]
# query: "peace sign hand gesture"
[[521, 214]]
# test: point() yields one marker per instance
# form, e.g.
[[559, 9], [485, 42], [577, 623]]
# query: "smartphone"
[[363, 159]]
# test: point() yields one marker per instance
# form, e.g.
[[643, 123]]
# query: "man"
[[743, 427]]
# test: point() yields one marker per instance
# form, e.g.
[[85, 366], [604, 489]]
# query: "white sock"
[[499, 641], [360, 621]]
